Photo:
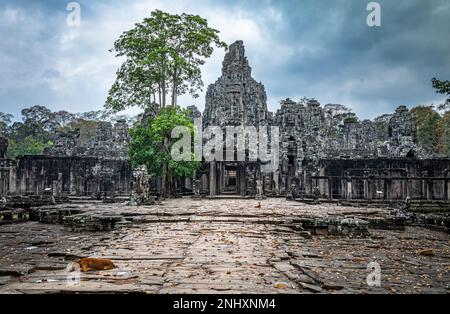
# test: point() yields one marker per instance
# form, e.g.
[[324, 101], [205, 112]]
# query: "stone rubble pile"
[[91, 222], [330, 226]]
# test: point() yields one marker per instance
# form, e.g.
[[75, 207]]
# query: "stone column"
[[429, 189], [330, 189], [366, 189], [446, 194], [242, 181], [343, 188], [407, 188], [212, 178], [220, 167], [349, 189], [57, 186], [72, 186], [12, 179], [370, 189], [387, 189], [424, 185]]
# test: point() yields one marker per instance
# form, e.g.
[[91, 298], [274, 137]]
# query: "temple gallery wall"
[[325, 152]]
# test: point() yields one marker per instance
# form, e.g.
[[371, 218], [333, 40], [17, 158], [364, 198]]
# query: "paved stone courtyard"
[[223, 246]]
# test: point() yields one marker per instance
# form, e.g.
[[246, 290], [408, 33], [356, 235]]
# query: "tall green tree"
[[426, 121], [163, 57], [151, 145]]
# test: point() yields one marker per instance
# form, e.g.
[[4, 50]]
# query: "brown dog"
[[95, 264]]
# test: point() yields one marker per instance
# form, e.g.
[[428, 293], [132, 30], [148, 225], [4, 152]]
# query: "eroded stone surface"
[[224, 246]]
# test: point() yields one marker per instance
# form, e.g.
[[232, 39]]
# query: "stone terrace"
[[224, 246]]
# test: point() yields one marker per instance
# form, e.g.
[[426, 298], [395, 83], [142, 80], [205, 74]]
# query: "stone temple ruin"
[[321, 148], [325, 152], [237, 229], [97, 169]]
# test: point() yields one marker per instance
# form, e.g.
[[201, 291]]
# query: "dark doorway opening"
[[230, 179]]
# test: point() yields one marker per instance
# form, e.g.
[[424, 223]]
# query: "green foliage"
[[426, 121], [442, 87], [33, 135], [151, 145], [39, 126], [351, 118], [444, 134], [26, 146], [164, 52], [381, 125], [5, 120]]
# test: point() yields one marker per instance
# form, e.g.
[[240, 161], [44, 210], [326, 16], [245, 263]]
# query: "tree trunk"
[[164, 94], [163, 82], [159, 94], [174, 89], [165, 172], [164, 180]]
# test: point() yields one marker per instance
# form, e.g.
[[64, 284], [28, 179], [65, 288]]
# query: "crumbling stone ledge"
[[91, 222]]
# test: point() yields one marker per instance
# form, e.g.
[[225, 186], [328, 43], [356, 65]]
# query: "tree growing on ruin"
[[151, 145], [163, 55]]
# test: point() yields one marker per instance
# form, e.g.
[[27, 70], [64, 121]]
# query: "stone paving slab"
[[223, 246]]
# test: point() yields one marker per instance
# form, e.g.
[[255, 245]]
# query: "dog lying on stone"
[[87, 264]]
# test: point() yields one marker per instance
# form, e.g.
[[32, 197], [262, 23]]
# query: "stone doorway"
[[231, 179]]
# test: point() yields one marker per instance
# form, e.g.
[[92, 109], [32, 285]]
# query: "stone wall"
[[76, 176], [383, 179], [110, 142], [98, 169]]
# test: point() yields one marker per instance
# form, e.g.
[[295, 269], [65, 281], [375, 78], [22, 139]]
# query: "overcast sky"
[[321, 49]]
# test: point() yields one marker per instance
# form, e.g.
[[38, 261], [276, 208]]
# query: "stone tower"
[[236, 98]]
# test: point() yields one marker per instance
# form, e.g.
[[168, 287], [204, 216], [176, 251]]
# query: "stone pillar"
[[242, 181], [204, 182], [429, 189], [424, 185], [446, 194], [330, 189], [343, 188], [12, 179], [366, 189], [72, 183], [387, 189], [58, 185], [220, 169], [308, 183], [23, 181], [370, 189], [112, 191], [349, 189], [212, 178]]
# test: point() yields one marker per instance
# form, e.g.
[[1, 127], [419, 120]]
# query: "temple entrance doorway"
[[231, 179]]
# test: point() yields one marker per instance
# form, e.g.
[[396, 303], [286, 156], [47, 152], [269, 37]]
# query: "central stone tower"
[[236, 98]]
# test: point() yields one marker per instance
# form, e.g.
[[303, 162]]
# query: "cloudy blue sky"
[[322, 49]]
